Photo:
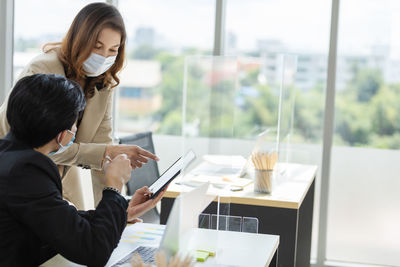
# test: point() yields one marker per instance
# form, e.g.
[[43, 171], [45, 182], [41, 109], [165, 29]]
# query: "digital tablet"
[[171, 173]]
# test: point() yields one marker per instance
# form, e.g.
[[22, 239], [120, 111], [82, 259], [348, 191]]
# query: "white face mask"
[[96, 65]]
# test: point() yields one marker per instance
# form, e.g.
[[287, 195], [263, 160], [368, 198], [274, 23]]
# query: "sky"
[[302, 25]]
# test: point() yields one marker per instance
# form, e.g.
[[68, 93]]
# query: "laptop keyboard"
[[145, 253]]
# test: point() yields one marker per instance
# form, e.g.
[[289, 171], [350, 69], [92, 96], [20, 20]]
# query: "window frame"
[[7, 49]]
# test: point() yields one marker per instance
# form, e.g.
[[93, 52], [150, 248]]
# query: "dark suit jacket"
[[36, 223]]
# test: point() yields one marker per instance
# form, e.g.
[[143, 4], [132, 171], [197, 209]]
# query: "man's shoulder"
[[19, 160]]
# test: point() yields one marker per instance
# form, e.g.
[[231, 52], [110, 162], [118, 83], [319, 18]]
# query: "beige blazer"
[[94, 132]]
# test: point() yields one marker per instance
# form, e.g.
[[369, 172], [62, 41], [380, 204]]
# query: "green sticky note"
[[211, 253], [201, 255]]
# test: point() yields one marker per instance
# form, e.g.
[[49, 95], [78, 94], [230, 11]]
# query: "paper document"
[[215, 180], [218, 165], [143, 234], [235, 161]]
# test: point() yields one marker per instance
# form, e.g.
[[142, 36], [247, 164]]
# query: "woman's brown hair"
[[80, 40]]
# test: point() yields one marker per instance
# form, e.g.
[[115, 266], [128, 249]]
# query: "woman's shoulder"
[[47, 57], [45, 62]]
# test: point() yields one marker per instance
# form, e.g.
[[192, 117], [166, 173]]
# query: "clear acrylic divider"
[[250, 225], [223, 97], [205, 221], [228, 223], [287, 69], [210, 85]]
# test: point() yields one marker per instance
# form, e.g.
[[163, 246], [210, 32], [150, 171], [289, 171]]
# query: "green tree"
[[366, 83], [258, 112], [172, 123], [357, 113], [308, 114], [22, 45], [171, 92], [352, 121], [385, 112]]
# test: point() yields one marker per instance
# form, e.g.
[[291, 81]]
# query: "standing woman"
[[92, 53]]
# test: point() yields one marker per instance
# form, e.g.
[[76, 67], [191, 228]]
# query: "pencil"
[[264, 164]]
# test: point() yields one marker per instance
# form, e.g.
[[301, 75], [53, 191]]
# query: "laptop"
[[183, 217]]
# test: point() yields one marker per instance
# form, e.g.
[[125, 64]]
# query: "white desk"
[[286, 212], [242, 249], [233, 248]]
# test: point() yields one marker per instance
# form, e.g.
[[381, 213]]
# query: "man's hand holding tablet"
[[141, 202], [146, 198]]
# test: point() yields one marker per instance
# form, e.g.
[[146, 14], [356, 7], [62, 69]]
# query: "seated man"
[[35, 222]]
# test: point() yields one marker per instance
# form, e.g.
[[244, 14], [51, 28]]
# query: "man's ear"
[[54, 142]]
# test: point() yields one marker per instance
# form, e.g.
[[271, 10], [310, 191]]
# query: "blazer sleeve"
[[86, 238], [87, 155], [90, 155]]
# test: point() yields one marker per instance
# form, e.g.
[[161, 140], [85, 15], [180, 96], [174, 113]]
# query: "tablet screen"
[[171, 173]]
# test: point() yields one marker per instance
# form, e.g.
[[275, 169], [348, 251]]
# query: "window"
[[34, 27], [363, 213], [287, 27], [160, 35], [279, 27]]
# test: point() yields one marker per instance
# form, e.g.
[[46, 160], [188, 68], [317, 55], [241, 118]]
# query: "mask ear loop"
[[58, 140]]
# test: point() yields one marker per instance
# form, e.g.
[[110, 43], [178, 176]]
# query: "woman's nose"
[[103, 53]]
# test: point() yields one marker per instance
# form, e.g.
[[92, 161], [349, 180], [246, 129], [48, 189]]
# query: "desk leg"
[[303, 251], [166, 206]]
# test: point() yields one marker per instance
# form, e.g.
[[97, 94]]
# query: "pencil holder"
[[263, 181]]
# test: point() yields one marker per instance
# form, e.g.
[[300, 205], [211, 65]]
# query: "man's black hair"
[[42, 105]]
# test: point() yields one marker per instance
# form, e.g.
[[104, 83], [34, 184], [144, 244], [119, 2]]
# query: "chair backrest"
[[148, 173]]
